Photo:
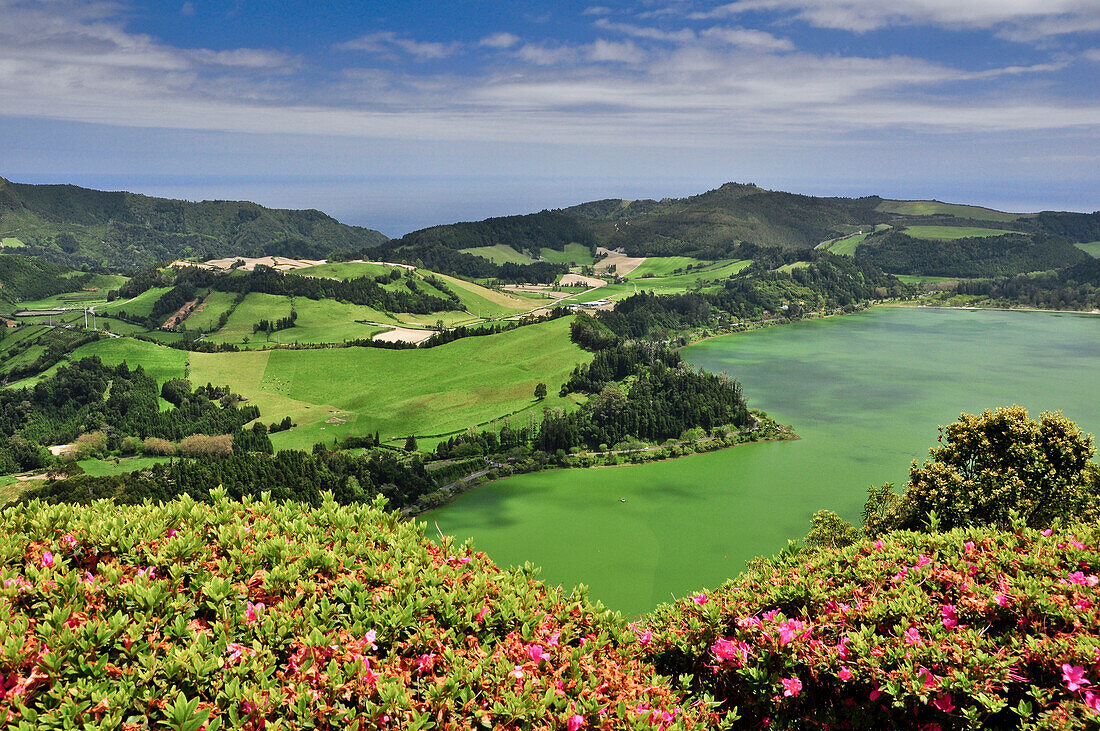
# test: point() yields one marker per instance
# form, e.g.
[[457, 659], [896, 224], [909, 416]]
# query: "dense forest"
[[533, 232], [90, 228], [987, 256], [1075, 287], [27, 278], [88, 397]]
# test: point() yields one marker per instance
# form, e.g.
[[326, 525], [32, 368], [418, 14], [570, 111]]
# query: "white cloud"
[[613, 51], [499, 40], [385, 42], [684, 35], [252, 58], [545, 54], [597, 10], [1053, 16], [748, 38]]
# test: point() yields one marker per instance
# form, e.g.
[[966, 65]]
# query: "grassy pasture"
[[788, 268], [952, 232], [206, 315], [920, 278], [936, 208], [254, 307], [489, 302], [346, 270], [662, 266], [333, 392], [105, 467], [11, 242], [573, 254], [500, 254], [1092, 248], [79, 297], [158, 361], [140, 306], [847, 245]]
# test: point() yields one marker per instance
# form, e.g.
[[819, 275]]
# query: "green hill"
[[82, 227], [25, 278]]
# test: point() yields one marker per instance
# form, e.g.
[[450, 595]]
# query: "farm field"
[[847, 245], [334, 392], [346, 270], [499, 254], [662, 266], [205, 317], [918, 278], [490, 302], [952, 232], [140, 306], [319, 321], [160, 362], [103, 467], [788, 268], [573, 254], [936, 208], [674, 283], [1092, 248], [11, 242]]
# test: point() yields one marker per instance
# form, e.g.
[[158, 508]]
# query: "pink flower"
[[68, 541], [700, 599], [1074, 675], [789, 631], [922, 561], [912, 636], [731, 651], [425, 663], [47, 559], [517, 672], [875, 694], [552, 641], [944, 703], [250, 617], [368, 638], [1078, 577], [1047, 532], [929, 679], [878, 545], [1001, 600], [844, 674], [791, 687], [482, 614], [950, 618], [1092, 700], [644, 638], [87, 578], [171, 533], [147, 572], [574, 722], [969, 546], [535, 653], [1073, 542]]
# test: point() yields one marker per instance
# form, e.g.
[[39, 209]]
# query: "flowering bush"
[[966, 629], [195, 616]]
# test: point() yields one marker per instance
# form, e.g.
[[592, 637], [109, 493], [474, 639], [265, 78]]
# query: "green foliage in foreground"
[[970, 629], [238, 614]]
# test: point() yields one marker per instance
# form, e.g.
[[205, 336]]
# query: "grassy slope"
[[573, 254], [159, 362], [952, 232], [103, 467], [500, 254], [1092, 248], [139, 306], [661, 266], [846, 246], [936, 208], [489, 302], [398, 392], [205, 317], [345, 270], [255, 307]]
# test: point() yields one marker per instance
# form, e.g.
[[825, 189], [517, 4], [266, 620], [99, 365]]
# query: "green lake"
[[865, 392]]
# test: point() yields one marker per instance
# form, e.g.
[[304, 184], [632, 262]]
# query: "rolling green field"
[[936, 208], [671, 283], [788, 268], [11, 243], [662, 266], [346, 270], [158, 361], [205, 317], [490, 302], [952, 232], [847, 245], [102, 283], [918, 278], [500, 254], [334, 392], [1092, 248], [140, 306], [104, 467], [573, 254]]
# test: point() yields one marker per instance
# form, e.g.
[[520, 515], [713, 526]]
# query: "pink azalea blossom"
[[700, 599], [1074, 542], [517, 672], [1047, 532], [879, 545], [574, 722], [644, 638], [1092, 700], [1074, 675], [250, 616], [969, 546], [950, 617], [922, 561], [369, 638], [791, 687], [482, 614], [425, 663], [171, 533], [68, 541], [147, 572], [912, 636], [552, 640], [731, 651], [47, 559], [790, 631], [875, 694], [1001, 600], [929, 679], [87, 578], [844, 674], [944, 703], [535, 653]]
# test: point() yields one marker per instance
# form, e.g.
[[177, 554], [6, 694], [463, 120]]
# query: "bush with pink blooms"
[[965, 629], [259, 614]]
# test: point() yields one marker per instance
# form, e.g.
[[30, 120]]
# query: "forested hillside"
[[117, 230], [27, 278]]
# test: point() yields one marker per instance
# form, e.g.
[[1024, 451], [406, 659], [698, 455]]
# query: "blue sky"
[[401, 115]]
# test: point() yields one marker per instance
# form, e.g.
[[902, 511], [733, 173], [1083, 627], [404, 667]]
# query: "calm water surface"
[[864, 392]]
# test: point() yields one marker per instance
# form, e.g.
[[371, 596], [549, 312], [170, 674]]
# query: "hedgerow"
[[262, 614], [965, 629]]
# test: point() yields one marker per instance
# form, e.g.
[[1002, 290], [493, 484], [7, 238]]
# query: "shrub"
[[92, 444], [245, 615], [201, 445], [154, 446], [129, 445], [991, 464], [965, 629]]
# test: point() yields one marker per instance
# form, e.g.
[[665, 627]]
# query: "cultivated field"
[[936, 208], [500, 254], [334, 392], [847, 245], [577, 254], [952, 232], [346, 270], [206, 315], [140, 306]]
